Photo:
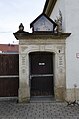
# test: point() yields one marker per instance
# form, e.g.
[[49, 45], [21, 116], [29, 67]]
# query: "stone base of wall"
[[24, 95], [60, 93], [72, 94]]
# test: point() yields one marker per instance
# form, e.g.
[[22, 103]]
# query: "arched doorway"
[[41, 74]]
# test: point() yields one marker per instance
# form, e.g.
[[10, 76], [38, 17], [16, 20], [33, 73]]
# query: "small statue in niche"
[[58, 21]]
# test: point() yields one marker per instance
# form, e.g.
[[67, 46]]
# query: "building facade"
[[42, 63], [69, 11], [54, 39]]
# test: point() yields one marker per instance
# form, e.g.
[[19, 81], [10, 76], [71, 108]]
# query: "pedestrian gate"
[[9, 75], [41, 74]]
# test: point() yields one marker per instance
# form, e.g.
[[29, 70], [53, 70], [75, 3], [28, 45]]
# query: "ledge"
[[40, 35]]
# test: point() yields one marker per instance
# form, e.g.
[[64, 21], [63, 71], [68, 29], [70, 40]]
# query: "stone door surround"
[[54, 43]]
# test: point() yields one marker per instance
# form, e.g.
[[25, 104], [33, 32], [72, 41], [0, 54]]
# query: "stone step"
[[42, 99]]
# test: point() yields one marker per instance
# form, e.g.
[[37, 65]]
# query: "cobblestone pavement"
[[38, 110]]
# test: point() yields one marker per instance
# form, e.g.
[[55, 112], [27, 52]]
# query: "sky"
[[14, 12]]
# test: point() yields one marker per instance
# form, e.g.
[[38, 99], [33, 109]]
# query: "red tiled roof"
[[9, 48]]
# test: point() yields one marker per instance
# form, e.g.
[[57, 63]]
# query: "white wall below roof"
[[70, 9], [72, 47]]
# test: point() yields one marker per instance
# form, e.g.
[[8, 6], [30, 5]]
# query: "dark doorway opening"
[[41, 74]]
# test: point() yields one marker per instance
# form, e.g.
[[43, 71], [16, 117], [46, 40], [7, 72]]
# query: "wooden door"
[[9, 75], [41, 74]]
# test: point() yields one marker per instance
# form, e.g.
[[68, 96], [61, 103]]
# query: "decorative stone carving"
[[42, 47], [60, 61], [58, 21], [21, 27], [23, 60], [23, 49]]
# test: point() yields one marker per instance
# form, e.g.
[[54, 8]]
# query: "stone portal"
[[53, 44]]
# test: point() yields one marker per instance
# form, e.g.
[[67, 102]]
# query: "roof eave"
[[48, 7]]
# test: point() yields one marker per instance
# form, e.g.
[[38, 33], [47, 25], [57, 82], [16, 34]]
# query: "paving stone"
[[38, 110]]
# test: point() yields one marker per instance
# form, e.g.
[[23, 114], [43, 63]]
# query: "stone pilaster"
[[24, 88]]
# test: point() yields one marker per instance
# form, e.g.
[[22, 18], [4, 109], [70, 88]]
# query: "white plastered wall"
[[70, 9], [72, 47]]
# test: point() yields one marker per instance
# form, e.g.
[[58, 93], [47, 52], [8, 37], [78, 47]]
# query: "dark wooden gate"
[[9, 75], [41, 74]]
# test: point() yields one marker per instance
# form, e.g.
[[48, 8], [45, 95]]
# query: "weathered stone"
[[60, 93], [53, 43]]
